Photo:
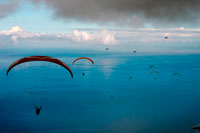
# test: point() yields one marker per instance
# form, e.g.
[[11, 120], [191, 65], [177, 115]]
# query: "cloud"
[[146, 40], [14, 39], [128, 12], [13, 33], [157, 35], [13, 30], [9, 7], [103, 37]]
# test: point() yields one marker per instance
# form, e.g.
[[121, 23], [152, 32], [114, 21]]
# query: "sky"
[[121, 25]]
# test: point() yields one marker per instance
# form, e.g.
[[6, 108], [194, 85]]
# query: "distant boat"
[[166, 38]]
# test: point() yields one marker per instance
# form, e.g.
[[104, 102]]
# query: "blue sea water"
[[105, 99]]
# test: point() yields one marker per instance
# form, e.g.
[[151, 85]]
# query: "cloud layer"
[[135, 13], [17, 34], [128, 12], [104, 37], [146, 40]]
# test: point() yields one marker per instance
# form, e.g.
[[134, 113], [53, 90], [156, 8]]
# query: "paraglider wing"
[[106, 48], [155, 72], [39, 58], [176, 74], [152, 66], [83, 58]]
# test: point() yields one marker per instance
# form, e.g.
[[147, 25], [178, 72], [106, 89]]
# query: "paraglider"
[[106, 49], [83, 74], [83, 58], [155, 72], [176, 75], [166, 38], [134, 51], [197, 127], [37, 110], [39, 58]]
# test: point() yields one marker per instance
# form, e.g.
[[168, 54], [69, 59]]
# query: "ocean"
[[117, 94]]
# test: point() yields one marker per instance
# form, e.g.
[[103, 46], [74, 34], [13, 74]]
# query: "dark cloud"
[[128, 12], [8, 7]]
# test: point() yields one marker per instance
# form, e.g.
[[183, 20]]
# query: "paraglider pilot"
[[37, 110], [197, 128], [83, 74]]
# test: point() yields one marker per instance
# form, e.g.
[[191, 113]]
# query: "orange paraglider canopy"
[[39, 58], [83, 58]]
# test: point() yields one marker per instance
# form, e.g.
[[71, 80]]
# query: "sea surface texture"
[[120, 93]]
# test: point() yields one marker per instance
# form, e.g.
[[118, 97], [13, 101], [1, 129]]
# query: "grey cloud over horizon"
[[128, 12], [9, 7]]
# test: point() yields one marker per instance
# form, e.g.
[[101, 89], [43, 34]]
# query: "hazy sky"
[[122, 24]]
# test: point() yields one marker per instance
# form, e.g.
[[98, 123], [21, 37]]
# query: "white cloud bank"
[[17, 34], [140, 39], [104, 37]]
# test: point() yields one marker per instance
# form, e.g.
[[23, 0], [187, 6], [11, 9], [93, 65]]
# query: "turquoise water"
[[105, 99]]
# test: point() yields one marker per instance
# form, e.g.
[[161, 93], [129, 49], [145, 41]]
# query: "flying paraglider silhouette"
[[176, 75], [83, 74], [83, 58], [106, 49], [155, 73], [39, 58], [152, 66], [197, 127], [37, 110], [134, 51]]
